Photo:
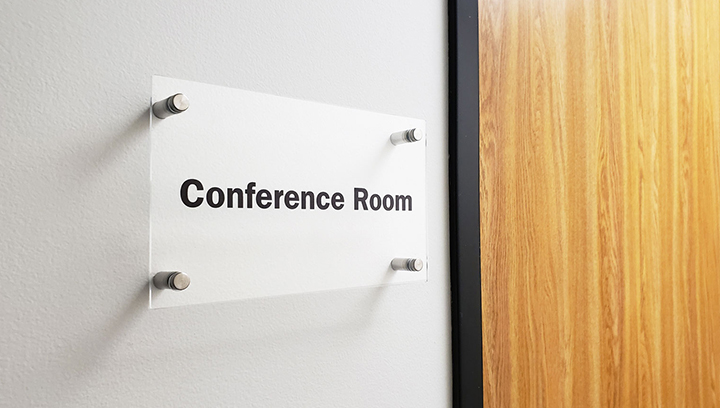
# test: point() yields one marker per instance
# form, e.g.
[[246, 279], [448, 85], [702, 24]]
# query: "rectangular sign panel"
[[255, 195]]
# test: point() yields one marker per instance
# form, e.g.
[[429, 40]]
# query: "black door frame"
[[465, 203]]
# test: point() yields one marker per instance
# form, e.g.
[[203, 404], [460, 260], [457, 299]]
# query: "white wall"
[[75, 330]]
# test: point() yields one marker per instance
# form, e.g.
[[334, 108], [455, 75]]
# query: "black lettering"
[[388, 202], [278, 194], [304, 195], [361, 200], [401, 199], [184, 193], [237, 192], [319, 200], [337, 201], [250, 190], [291, 199], [375, 198], [232, 197], [220, 197], [264, 195]]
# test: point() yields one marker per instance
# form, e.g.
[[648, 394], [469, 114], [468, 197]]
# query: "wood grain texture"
[[600, 202]]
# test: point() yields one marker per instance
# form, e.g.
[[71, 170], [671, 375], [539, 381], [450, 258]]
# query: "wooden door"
[[600, 202]]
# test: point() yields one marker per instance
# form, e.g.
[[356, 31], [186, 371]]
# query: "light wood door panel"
[[600, 202]]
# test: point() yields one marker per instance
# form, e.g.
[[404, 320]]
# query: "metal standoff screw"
[[407, 264], [171, 280], [406, 136], [172, 105]]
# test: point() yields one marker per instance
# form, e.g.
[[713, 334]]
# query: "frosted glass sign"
[[256, 195]]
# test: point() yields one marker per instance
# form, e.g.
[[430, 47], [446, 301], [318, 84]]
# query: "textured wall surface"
[[75, 330]]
